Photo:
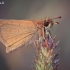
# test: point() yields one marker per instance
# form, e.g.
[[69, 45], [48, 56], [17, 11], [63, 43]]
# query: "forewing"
[[14, 33]]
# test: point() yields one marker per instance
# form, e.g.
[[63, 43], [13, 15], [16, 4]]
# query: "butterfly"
[[15, 33]]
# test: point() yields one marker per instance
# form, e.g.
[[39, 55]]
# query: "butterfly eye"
[[46, 23]]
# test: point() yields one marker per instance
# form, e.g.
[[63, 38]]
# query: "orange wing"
[[14, 33]]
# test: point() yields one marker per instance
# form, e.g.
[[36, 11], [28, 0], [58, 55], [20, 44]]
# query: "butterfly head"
[[49, 22]]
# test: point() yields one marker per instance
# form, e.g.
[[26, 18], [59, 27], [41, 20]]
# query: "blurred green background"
[[21, 59]]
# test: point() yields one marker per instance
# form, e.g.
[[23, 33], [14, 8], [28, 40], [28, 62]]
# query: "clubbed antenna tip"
[[57, 17]]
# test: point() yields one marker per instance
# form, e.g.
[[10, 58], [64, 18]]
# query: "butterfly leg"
[[48, 35]]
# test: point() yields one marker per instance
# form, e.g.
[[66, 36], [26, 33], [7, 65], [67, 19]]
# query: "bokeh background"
[[22, 58]]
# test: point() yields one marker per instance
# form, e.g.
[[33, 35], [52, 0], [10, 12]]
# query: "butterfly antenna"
[[56, 18]]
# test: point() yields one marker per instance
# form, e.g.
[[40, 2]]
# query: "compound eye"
[[46, 23]]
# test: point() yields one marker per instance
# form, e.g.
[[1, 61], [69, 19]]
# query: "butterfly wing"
[[14, 33]]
